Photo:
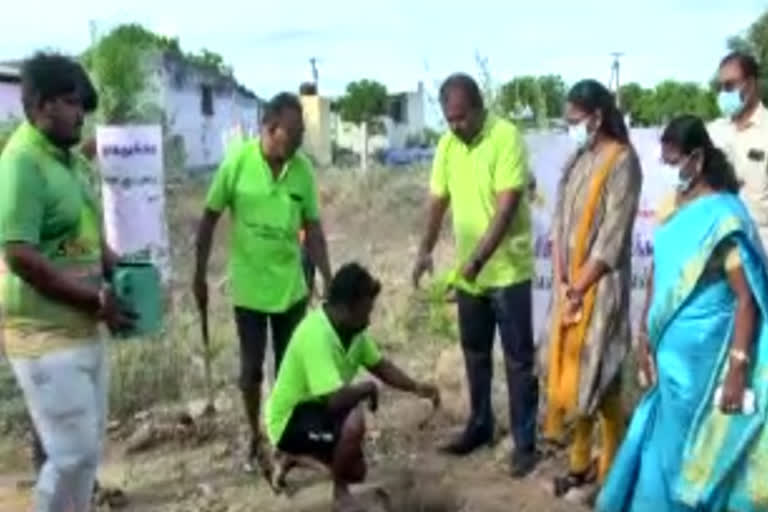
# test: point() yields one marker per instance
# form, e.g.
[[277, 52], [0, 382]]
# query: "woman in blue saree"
[[695, 443]]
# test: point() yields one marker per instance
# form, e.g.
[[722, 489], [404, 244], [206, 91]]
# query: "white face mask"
[[579, 133], [685, 179]]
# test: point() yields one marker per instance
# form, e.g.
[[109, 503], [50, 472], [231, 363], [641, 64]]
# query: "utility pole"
[[313, 65], [615, 83]]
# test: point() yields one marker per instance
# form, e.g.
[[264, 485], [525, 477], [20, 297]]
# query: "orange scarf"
[[568, 335]]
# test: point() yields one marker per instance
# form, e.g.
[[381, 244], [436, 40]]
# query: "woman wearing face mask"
[[697, 441], [590, 333]]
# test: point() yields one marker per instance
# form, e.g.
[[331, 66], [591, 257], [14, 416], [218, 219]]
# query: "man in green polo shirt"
[[53, 282], [481, 172], [269, 189], [314, 409]]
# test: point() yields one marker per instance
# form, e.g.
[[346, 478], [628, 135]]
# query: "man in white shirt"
[[742, 132]]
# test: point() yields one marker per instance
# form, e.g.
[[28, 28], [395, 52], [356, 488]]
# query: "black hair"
[[47, 76], [351, 284], [88, 94], [748, 63], [688, 133], [467, 84], [279, 104], [591, 96]]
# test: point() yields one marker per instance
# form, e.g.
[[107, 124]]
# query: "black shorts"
[[312, 430], [252, 329]]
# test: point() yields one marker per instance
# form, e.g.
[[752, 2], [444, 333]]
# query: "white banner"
[[133, 192], [548, 154]]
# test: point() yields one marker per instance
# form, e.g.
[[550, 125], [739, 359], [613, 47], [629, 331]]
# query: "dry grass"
[[374, 219]]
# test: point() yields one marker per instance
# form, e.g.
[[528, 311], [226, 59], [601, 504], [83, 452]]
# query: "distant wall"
[[396, 134], [317, 121], [205, 135], [10, 101]]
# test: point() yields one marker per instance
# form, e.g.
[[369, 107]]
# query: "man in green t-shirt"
[[268, 187], [315, 408], [54, 277], [481, 172]]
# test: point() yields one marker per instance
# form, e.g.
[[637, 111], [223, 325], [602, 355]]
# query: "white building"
[[203, 108], [403, 124], [10, 94]]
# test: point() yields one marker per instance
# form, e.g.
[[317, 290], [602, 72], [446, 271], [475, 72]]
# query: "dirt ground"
[[196, 466]]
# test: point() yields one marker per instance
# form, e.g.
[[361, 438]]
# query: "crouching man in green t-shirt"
[[315, 409]]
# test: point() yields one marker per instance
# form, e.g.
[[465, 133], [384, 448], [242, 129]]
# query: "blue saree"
[[681, 454]]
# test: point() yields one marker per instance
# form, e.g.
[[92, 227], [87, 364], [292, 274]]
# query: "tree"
[[530, 97], [491, 93], [756, 43], [117, 65], [650, 107], [554, 90], [363, 104]]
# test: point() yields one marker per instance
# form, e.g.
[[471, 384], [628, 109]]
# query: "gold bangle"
[[739, 356]]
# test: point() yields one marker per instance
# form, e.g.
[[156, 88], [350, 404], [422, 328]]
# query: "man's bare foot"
[[263, 455]]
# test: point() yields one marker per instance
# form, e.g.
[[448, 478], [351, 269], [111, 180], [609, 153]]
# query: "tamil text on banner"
[[133, 193], [548, 154]]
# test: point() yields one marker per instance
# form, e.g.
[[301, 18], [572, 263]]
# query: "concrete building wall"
[[317, 122], [206, 129], [10, 101], [396, 132]]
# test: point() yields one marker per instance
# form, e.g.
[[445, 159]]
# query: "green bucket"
[[137, 285]]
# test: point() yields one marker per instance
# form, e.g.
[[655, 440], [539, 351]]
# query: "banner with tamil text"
[[133, 192], [548, 153]]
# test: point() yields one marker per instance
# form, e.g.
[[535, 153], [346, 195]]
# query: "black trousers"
[[252, 329], [510, 311]]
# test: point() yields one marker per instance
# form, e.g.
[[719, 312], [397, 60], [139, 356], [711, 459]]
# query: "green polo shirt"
[[315, 365], [267, 214], [46, 200], [471, 176]]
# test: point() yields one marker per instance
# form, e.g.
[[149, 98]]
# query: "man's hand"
[[424, 264], [117, 316], [471, 270], [431, 393], [733, 389], [372, 395]]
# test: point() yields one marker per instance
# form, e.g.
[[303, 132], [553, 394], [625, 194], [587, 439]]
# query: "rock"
[[141, 439], [114, 426], [200, 408], [142, 416], [205, 490]]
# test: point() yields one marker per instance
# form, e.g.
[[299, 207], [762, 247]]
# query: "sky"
[[402, 42]]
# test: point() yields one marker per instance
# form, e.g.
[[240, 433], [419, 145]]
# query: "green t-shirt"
[[267, 214], [315, 365], [471, 176], [46, 201]]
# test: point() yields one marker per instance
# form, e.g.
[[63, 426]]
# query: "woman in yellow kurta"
[[590, 336]]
